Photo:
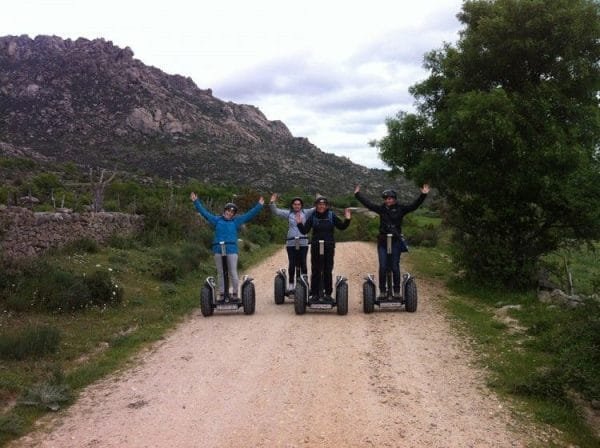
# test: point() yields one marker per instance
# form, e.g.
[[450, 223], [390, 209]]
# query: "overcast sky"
[[331, 70]]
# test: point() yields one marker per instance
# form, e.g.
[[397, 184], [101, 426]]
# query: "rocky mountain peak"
[[93, 103]]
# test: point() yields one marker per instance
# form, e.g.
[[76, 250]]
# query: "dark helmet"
[[321, 199], [389, 194], [230, 206], [297, 199]]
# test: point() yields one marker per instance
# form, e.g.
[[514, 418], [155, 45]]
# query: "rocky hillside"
[[94, 104]]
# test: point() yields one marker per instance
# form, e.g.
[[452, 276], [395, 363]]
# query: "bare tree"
[[98, 188]]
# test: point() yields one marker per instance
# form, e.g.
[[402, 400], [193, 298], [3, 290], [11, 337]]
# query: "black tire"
[[410, 295], [206, 301], [368, 297], [299, 303], [279, 289], [248, 298], [341, 297]]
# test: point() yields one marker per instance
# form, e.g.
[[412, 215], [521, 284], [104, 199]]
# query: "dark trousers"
[[383, 265], [296, 257], [321, 262]]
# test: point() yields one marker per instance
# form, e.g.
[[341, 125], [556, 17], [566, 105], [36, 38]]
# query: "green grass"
[[553, 353], [583, 265]]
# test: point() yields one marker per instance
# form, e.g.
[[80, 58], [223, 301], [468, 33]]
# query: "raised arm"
[[201, 209], [277, 211]]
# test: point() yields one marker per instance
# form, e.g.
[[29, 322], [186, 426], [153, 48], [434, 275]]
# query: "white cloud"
[[332, 70]]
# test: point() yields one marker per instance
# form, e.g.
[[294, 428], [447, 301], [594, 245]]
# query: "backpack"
[[315, 219]]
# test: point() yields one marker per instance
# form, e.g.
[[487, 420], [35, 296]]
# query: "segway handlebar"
[[223, 245], [297, 240]]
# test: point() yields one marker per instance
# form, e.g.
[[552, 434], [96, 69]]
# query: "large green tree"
[[507, 127]]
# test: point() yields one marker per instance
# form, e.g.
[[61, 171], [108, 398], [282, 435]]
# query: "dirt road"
[[275, 379]]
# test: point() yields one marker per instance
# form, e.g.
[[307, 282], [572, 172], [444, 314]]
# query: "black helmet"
[[389, 194], [297, 199], [230, 206], [322, 199]]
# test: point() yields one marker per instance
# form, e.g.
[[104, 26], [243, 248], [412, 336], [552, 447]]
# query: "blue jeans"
[[383, 265]]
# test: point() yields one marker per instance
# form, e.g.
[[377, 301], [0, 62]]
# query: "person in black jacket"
[[390, 221], [322, 223]]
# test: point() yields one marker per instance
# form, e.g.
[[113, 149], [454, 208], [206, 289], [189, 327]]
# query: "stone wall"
[[24, 233]]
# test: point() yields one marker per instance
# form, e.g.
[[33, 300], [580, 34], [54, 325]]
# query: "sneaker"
[[220, 297], [382, 295], [396, 294], [234, 296]]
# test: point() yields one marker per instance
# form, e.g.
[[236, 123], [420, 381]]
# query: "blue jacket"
[[226, 229]]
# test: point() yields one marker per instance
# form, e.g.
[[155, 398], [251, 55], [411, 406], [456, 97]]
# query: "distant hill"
[[92, 103]]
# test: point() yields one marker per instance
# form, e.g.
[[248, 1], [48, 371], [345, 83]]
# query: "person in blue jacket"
[[226, 229], [296, 209]]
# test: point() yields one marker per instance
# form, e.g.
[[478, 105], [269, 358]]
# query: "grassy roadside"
[[99, 340], [543, 359]]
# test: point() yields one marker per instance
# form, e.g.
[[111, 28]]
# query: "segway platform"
[[281, 288], [210, 303], [302, 300], [408, 299]]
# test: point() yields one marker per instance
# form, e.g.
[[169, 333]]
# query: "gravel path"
[[275, 379]]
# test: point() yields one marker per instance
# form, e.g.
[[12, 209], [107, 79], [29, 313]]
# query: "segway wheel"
[[206, 307], [341, 297], [410, 296], [368, 297], [248, 298], [299, 303], [279, 289]]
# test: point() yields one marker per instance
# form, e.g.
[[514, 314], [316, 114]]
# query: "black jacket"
[[322, 225], [390, 218]]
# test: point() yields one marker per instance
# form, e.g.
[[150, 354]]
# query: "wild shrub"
[[48, 394], [39, 285], [102, 289], [571, 340], [258, 235], [85, 245], [165, 267], [11, 424], [191, 255], [174, 262], [424, 236], [121, 242], [33, 342]]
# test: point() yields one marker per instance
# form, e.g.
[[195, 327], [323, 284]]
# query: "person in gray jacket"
[[296, 209]]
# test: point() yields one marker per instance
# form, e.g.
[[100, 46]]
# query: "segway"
[[302, 300], [208, 295], [281, 284], [408, 288]]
